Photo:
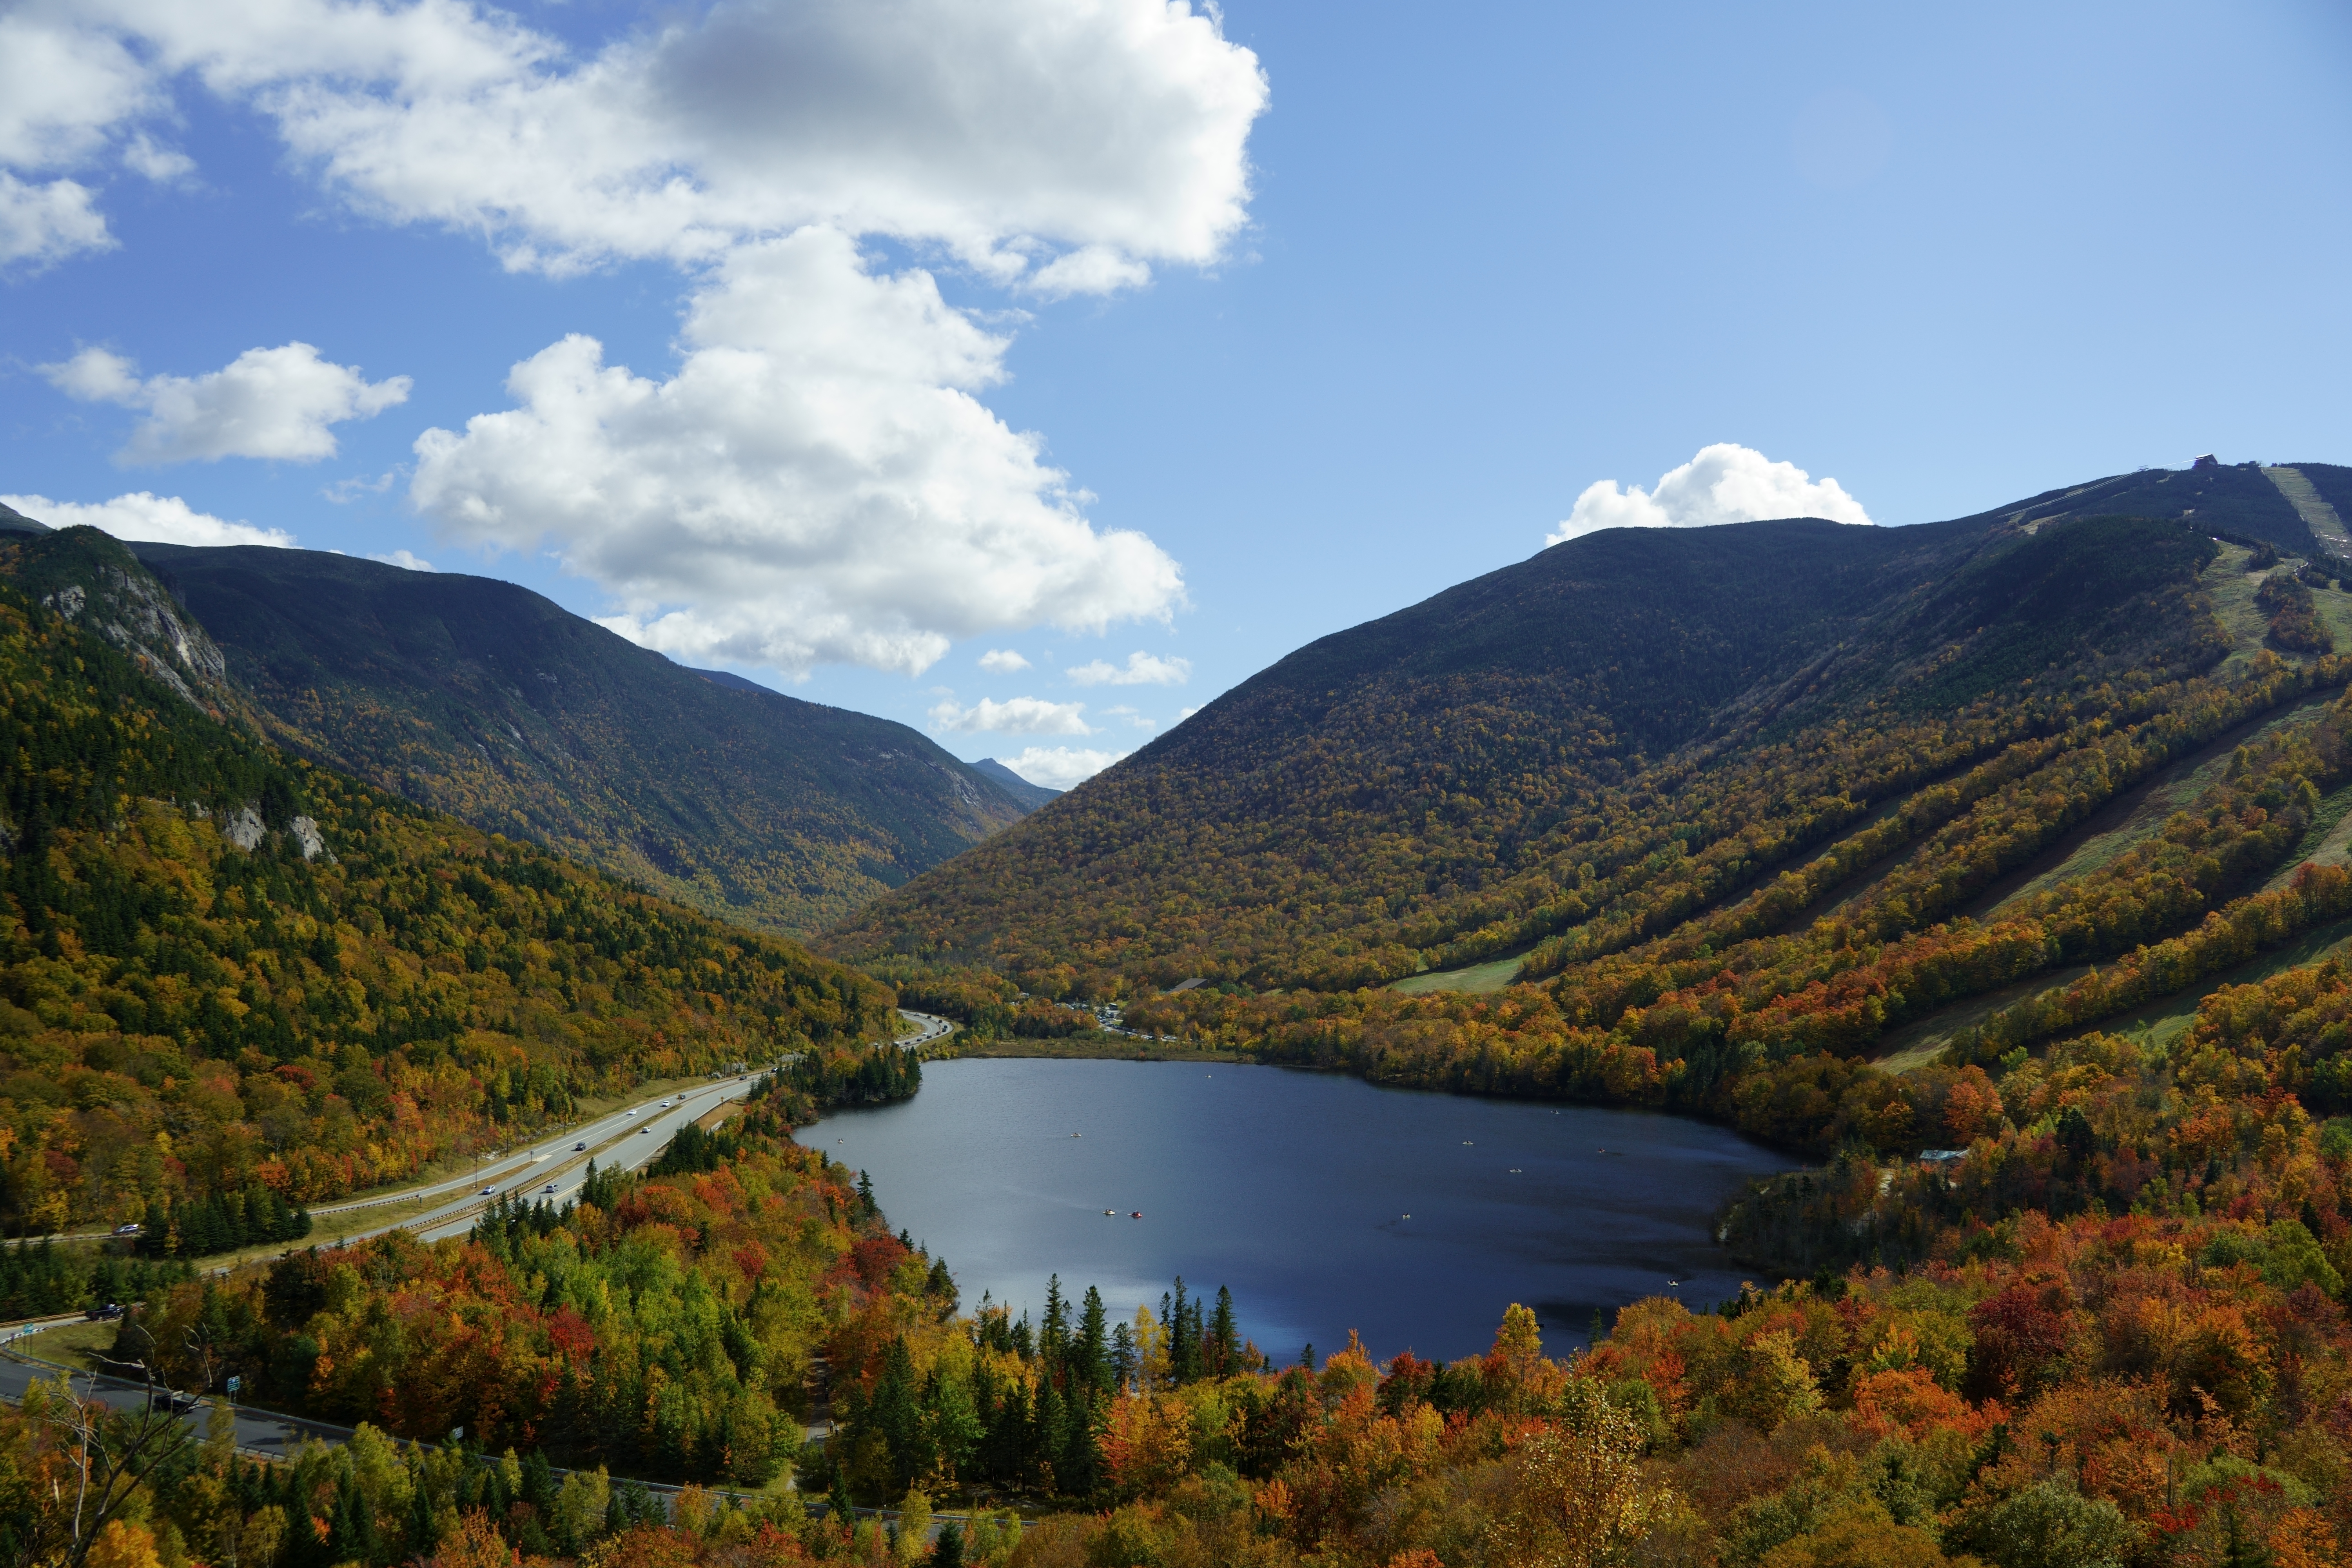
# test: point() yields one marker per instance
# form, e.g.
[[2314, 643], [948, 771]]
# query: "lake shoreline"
[[1097, 1048], [1327, 1203]]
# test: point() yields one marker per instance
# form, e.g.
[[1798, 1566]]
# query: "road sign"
[[235, 1384]]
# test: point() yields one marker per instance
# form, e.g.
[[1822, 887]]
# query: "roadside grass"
[[77, 1345], [1477, 978]]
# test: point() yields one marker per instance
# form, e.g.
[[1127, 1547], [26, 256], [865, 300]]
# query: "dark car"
[[168, 1399], [103, 1312]]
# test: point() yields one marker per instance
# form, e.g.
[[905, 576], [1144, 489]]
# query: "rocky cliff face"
[[132, 612], [91, 579]]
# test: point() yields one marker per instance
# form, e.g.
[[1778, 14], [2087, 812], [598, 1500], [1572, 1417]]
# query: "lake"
[[1325, 1204]]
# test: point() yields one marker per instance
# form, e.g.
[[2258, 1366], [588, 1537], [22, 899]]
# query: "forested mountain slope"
[[488, 701], [1549, 748], [225, 972]]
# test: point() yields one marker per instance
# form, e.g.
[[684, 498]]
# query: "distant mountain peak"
[[1031, 796]]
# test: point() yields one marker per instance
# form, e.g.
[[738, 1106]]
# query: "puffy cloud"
[[67, 88], [1060, 767], [1141, 669], [407, 561], [816, 484], [47, 223], [1073, 140], [1724, 483], [67, 82], [147, 518], [818, 480], [267, 403], [1020, 716], [1003, 661]]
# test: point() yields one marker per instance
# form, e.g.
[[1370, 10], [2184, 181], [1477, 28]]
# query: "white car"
[[630, 1111], [490, 1192]]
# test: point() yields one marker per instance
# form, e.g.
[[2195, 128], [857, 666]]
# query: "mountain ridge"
[[1479, 773], [484, 698]]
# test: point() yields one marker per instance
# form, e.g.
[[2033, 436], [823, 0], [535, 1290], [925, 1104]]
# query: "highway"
[[624, 1138], [549, 1169]]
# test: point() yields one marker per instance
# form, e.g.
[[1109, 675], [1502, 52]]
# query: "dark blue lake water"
[[1323, 1203]]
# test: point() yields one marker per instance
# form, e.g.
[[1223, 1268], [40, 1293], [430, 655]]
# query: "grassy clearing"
[[1477, 978], [2232, 592], [2137, 817], [1922, 1040], [2336, 614], [2161, 1023], [2327, 842]]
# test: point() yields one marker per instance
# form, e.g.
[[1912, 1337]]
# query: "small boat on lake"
[[1137, 1215]]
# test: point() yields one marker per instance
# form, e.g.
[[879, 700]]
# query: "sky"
[[1031, 372]]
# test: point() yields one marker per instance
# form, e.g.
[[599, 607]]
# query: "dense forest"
[[2110, 1328], [233, 985], [1614, 735]]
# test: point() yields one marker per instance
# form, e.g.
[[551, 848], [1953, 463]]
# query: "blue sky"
[[1353, 302]]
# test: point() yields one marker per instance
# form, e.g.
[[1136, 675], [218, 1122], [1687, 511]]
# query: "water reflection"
[[1323, 1203]]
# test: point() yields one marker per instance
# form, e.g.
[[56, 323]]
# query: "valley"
[[1753, 1013]]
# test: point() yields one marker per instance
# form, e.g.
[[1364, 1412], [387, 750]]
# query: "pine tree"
[[1224, 1336], [1090, 1365]]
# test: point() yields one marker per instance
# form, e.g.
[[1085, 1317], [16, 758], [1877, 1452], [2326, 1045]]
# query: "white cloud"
[[1003, 661], [817, 481], [816, 484], [1060, 767], [1020, 716], [1184, 713], [407, 561], [1072, 140], [1724, 483], [146, 518], [43, 224], [1141, 669], [144, 155], [66, 83], [267, 403]]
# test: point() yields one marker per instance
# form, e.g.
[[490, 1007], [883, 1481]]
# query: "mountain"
[[1029, 795], [14, 522], [488, 701], [1578, 753], [231, 979], [726, 679]]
